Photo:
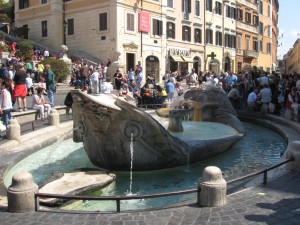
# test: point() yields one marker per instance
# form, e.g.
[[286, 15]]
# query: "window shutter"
[[189, 6], [173, 30], [160, 28], [154, 27]]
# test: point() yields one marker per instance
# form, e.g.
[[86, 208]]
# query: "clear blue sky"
[[288, 24]]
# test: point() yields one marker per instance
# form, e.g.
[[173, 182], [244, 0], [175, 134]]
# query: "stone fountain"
[[106, 124]]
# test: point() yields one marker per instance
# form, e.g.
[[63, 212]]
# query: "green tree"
[[26, 50], [59, 68]]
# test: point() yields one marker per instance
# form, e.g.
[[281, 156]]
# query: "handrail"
[[118, 199]]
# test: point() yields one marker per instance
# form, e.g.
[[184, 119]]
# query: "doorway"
[[130, 62], [152, 67], [227, 64]]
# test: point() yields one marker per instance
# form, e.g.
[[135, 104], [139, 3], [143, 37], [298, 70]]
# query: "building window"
[[248, 17], [261, 28], [269, 11], [209, 5], [230, 12], [44, 1], [209, 36], [255, 45], [197, 8], [25, 28], [219, 38], [230, 41], [186, 6], [247, 43], [170, 30], [23, 4], [239, 14], [170, 3], [44, 29], [186, 33], [218, 8], [261, 46], [269, 48], [239, 41], [255, 20], [157, 27], [70, 26], [130, 22], [261, 9], [102, 21], [198, 35]]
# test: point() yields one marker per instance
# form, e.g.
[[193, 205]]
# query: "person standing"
[[170, 89], [50, 84], [46, 53], [20, 90], [139, 78], [84, 70], [95, 80], [5, 102]]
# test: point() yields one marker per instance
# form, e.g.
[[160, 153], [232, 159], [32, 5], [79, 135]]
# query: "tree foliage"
[[59, 68], [26, 50]]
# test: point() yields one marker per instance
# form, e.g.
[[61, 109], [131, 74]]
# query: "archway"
[[152, 67], [197, 64], [227, 64]]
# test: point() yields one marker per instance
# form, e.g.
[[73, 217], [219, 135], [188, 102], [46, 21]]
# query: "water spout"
[[131, 162]]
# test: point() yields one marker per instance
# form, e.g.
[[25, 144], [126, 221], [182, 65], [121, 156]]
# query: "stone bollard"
[[13, 131], [53, 118], [20, 193], [293, 150], [213, 188]]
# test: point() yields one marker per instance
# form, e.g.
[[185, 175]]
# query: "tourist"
[[50, 84], [10, 72], [40, 104], [179, 89], [234, 97], [40, 69], [107, 86], [130, 76], [231, 80], [292, 101], [29, 85], [20, 90], [192, 78], [104, 70], [95, 78], [5, 102], [118, 79], [139, 78], [28, 66], [124, 90], [170, 89], [252, 100], [46, 53], [265, 95], [84, 75]]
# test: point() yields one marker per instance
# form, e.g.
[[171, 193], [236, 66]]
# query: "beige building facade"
[[220, 35], [292, 58], [265, 61], [247, 35], [159, 35]]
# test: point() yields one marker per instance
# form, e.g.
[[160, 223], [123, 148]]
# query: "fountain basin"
[[107, 122]]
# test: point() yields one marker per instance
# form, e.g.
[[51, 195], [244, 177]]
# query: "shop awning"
[[187, 59], [177, 58]]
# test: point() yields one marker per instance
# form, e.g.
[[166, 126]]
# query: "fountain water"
[[131, 163]]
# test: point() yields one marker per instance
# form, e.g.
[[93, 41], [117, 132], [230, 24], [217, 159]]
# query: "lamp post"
[[65, 34]]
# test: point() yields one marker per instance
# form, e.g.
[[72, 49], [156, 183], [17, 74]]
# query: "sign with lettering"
[[179, 52], [144, 22]]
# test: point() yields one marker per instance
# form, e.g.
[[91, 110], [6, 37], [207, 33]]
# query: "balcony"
[[247, 27], [239, 52], [250, 54], [186, 16], [248, 4]]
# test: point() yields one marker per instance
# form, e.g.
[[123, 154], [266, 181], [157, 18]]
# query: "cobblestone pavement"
[[277, 203]]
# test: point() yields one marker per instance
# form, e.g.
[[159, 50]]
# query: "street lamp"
[[65, 34]]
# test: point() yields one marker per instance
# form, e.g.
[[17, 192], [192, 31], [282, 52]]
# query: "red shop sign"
[[144, 22]]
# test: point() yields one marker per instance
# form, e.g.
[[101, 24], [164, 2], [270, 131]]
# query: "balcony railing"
[[250, 54], [239, 52], [246, 27], [249, 4], [186, 16]]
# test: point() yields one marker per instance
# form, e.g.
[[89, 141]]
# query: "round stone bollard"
[[213, 188], [53, 118], [293, 150], [13, 131], [20, 193]]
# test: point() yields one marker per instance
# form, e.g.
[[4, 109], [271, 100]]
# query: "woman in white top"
[[39, 103], [95, 80], [5, 102]]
